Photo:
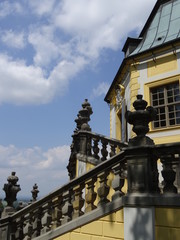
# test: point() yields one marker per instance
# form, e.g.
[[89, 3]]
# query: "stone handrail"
[[92, 147], [88, 146], [101, 147], [83, 195], [138, 161], [65, 203]]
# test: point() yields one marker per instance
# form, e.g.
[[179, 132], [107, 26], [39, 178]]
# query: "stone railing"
[[97, 146], [88, 146], [169, 156], [66, 203], [93, 190], [90, 191], [92, 147]]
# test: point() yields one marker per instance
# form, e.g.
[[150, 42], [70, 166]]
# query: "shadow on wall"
[[139, 223]]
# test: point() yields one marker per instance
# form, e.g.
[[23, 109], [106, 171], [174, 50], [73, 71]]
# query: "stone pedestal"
[[7, 211]]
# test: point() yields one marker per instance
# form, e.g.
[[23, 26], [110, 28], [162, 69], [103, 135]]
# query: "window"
[[166, 100]]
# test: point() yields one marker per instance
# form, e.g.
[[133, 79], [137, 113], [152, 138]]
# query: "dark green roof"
[[164, 27]]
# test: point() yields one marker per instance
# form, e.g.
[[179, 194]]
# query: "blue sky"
[[53, 55]]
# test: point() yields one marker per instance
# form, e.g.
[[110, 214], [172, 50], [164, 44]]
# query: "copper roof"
[[163, 28]]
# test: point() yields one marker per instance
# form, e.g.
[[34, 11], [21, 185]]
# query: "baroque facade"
[[151, 67], [125, 186]]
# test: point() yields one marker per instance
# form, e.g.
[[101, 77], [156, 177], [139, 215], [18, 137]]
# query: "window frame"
[[147, 97]]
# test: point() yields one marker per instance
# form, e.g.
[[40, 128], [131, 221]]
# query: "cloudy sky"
[[53, 55]]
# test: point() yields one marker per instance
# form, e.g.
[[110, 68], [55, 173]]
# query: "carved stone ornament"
[[35, 192], [11, 189], [140, 120], [119, 95]]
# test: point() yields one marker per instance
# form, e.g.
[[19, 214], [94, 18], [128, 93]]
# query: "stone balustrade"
[[69, 203], [98, 147], [92, 147], [88, 146], [64, 204], [135, 163]]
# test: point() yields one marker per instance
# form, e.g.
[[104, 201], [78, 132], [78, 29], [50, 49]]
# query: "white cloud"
[[33, 165], [45, 47], [7, 8], [97, 25], [63, 72], [13, 39], [100, 90], [67, 36], [54, 157], [92, 26], [21, 84], [42, 7]]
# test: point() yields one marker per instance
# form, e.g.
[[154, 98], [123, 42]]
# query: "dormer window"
[[130, 45]]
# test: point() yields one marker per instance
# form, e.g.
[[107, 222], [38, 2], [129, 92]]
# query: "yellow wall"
[[134, 87], [110, 178], [167, 223], [167, 227], [162, 65], [106, 228], [118, 126], [166, 139], [160, 70]]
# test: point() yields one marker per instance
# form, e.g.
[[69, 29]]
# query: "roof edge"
[[124, 62], [131, 57]]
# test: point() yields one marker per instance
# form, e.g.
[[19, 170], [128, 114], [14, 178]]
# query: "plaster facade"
[[106, 228]]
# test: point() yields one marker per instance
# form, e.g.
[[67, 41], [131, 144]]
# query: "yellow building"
[[115, 192], [151, 67]]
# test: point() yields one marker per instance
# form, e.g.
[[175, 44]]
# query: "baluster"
[[5, 232], [168, 173], [46, 218], [104, 151], [95, 148], [90, 195], [27, 229], [103, 190], [113, 149], [155, 176], [176, 168], [36, 219], [118, 181], [19, 228], [67, 207], [89, 146], [56, 212], [78, 202]]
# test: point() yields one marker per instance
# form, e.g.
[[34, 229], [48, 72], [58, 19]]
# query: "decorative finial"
[[83, 117], [11, 189], [140, 120], [35, 192]]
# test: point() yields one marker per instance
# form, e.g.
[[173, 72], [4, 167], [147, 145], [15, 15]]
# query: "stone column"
[[139, 220]]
